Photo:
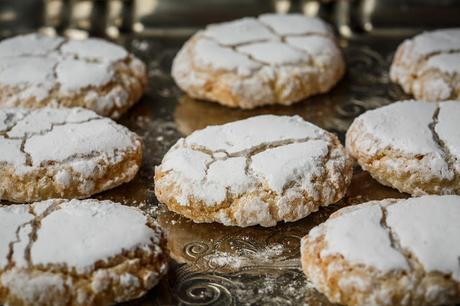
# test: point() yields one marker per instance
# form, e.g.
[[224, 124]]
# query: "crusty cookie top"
[[36, 138], [249, 44], [430, 50], [73, 235], [235, 158], [424, 130], [37, 65], [380, 234]]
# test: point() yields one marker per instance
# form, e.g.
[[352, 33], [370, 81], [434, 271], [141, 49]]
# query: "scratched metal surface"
[[218, 265]]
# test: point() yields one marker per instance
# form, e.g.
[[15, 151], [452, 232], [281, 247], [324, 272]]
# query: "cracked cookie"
[[257, 171], [428, 65], [38, 71], [389, 252], [78, 252], [63, 153], [272, 59], [413, 146]]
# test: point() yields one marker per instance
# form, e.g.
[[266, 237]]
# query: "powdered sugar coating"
[[73, 147], [239, 32], [274, 53], [38, 71], [294, 24], [360, 238], [392, 126], [255, 61], [432, 233], [448, 131], [98, 241], [429, 61], [223, 58], [95, 225], [388, 252], [228, 169], [11, 217], [406, 145]]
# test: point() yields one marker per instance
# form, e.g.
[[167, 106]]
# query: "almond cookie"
[[38, 71], [72, 252], [272, 59], [68, 153], [413, 146], [389, 252], [261, 170], [428, 65]]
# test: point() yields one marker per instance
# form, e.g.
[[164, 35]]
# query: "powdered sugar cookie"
[[69, 153], [261, 170], [272, 59], [389, 252], [38, 71], [428, 65], [90, 252], [413, 146]]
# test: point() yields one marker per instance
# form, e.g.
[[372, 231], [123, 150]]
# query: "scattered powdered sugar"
[[246, 258]]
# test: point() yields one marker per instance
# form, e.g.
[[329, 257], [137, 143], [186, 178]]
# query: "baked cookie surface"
[[67, 153], [428, 65], [389, 252], [413, 146], [38, 71], [257, 171], [272, 59], [78, 252]]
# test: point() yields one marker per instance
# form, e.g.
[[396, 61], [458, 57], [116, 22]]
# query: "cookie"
[[67, 153], [389, 252], [428, 65], [257, 171], [38, 71], [73, 252], [272, 59], [413, 146]]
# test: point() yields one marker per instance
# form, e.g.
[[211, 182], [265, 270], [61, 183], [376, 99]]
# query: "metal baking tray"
[[213, 264], [219, 265]]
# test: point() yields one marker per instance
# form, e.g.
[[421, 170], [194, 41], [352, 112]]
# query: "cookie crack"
[[31, 237], [395, 243], [251, 151], [414, 263], [27, 154], [25, 138], [446, 154], [9, 256], [5, 132], [51, 128], [421, 62], [36, 225]]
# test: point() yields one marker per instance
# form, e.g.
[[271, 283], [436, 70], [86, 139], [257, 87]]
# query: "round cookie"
[[413, 146], [67, 153], [257, 171], [272, 59], [38, 71], [389, 252], [428, 65], [72, 252]]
